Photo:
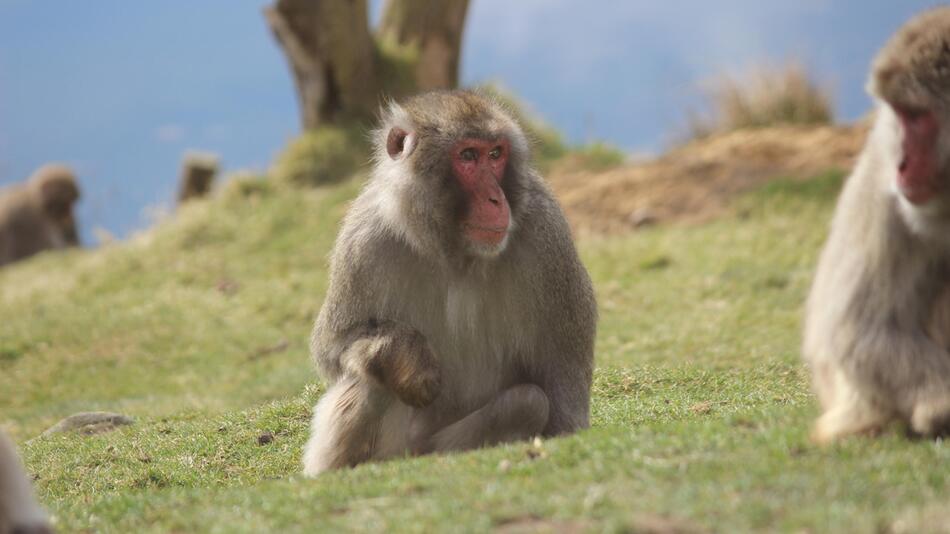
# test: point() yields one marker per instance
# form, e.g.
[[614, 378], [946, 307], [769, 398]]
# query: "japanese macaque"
[[878, 317], [38, 215], [19, 511], [458, 313]]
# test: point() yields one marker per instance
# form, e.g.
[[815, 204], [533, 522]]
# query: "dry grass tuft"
[[766, 96]]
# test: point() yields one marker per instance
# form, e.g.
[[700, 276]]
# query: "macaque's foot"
[[931, 417], [837, 424], [39, 528]]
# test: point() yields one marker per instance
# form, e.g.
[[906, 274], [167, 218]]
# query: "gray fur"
[[878, 316], [504, 338], [19, 511]]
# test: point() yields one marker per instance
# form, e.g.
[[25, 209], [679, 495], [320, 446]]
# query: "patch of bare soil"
[[536, 525], [932, 519], [639, 524], [696, 181]]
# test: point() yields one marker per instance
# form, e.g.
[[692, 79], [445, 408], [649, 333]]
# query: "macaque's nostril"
[[494, 200]]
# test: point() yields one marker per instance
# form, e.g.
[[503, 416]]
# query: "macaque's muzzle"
[[489, 215], [479, 166], [917, 176]]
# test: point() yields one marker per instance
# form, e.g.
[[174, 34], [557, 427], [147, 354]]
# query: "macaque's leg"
[[517, 413], [346, 425]]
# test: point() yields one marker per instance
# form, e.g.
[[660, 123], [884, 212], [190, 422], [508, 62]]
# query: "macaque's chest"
[[54, 237], [478, 334]]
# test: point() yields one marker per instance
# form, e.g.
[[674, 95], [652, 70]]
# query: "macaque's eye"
[[913, 113], [495, 153], [469, 154]]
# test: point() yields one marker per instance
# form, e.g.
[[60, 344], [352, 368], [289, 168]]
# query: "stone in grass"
[[265, 438], [89, 423], [642, 217]]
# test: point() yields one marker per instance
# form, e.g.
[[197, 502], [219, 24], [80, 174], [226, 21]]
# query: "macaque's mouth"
[[917, 193], [486, 235]]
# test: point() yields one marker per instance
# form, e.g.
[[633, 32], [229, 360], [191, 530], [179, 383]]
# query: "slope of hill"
[[696, 181], [198, 329]]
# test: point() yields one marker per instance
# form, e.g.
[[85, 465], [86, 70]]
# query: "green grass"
[[701, 407]]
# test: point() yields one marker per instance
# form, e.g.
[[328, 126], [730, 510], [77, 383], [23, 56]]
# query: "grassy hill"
[[198, 329]]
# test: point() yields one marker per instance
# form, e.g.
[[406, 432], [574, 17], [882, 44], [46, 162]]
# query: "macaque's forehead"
[[915, 64], [54, 171], [457, 115]]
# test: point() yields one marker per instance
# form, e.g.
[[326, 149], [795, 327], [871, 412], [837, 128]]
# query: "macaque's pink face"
[[479, 166], [918, 176]]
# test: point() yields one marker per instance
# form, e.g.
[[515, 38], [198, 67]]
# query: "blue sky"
[[120, 89]]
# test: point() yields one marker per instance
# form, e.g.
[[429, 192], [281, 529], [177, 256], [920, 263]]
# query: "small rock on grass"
[[89, 423], [265, 438], [657, 524], [642, 217]]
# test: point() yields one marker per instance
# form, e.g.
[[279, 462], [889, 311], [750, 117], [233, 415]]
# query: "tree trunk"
[[339, 70], [435, 28], [332, 57]]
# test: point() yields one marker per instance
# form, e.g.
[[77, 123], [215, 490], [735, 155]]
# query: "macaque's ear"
[[400, 143]]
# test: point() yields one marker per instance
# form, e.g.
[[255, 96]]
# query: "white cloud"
[[170, 133], [591, 38], [216, 132]]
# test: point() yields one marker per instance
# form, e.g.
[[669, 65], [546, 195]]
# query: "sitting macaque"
[[458, 314], [878, 317], [38, 215]]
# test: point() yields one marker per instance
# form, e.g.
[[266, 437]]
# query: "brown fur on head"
[[56, 188], [911, 78], [913, 68]]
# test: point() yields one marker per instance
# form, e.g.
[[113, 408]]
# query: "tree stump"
[[198, 171]]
